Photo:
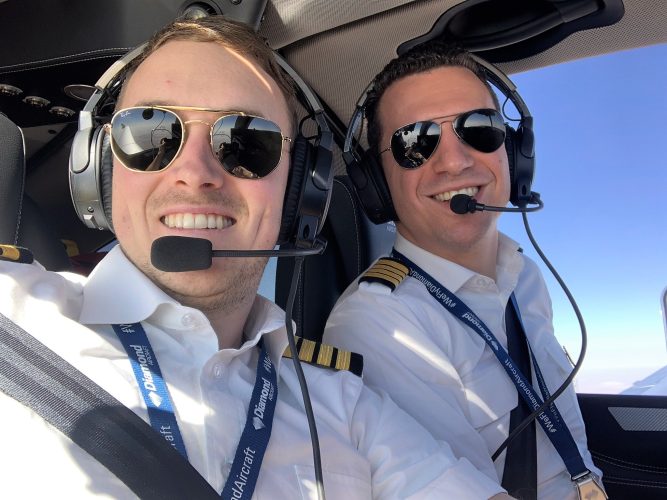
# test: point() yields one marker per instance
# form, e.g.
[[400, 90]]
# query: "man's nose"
[[196, 166], [452, 155]]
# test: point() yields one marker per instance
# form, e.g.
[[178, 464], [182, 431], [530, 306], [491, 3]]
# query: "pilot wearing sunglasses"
[[201, 138], [435, 130]]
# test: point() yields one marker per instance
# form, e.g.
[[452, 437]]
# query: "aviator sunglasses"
[[149, 138], [413, 144]]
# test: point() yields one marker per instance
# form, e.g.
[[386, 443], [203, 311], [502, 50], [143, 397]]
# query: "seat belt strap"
[[111, 433], [520, 471]]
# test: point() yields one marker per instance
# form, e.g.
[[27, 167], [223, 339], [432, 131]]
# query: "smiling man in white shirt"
[[435, 131], [196, 84]]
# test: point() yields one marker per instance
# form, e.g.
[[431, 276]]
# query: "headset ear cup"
[[372, 189], [510, 142], [302, 155], [106, 177], [381, 187], [521, 156]]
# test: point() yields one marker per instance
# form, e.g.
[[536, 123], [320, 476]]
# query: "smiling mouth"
[[448, 195], [197, 221]]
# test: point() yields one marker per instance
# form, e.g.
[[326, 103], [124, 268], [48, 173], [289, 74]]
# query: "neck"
[[481, 260], [227, 319], [480, 256], [228, 325]]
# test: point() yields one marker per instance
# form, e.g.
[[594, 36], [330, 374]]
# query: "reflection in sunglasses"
[[148, 139], [413, 144], [243, 172]]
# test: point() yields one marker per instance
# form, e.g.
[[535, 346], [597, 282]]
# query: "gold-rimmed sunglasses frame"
[[452, 119], [173, 109]]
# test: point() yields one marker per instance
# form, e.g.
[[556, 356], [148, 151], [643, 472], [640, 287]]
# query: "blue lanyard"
[[551, 421], [254, 440]]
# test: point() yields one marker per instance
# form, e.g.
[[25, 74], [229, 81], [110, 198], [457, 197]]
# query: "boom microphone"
[[181, 253], [463, 204]]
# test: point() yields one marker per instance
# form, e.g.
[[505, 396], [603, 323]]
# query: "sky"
[[601, 148]]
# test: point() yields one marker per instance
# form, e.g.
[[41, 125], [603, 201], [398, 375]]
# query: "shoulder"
[[387, 272], [327, 356], [531, 278], [19, 255], [29, 289], [336, 391], [530, 266], [384, 285], [386, 299], [384, 293]]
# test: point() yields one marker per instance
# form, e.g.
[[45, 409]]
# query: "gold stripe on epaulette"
[[327, 356], [13, 253], [306, 350], [386, 271], [343, 360], [9, 252]]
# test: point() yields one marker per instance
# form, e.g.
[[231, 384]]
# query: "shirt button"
[[188, 320], [217, 371]]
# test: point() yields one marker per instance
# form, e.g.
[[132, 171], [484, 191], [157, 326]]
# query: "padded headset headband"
[[309, 186], [366, 173]]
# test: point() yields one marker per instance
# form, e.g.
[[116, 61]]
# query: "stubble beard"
[[237, 285]]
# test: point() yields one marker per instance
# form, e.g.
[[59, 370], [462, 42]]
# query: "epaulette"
[[386, 271], [13, 253], [316, 353]]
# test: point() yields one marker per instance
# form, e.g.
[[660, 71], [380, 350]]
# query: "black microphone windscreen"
[[179, 253], [460, 204]]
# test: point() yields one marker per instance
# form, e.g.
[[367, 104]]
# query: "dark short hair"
[[421, 58]]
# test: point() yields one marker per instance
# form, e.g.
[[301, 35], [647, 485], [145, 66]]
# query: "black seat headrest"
[[353, 243], [12, 179], [21, 221]]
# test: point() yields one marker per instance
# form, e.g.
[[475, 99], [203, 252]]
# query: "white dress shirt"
[[369, 447], [443, 374]]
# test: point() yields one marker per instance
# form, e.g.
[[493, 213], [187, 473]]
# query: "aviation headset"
[[309, 183], [365, 170]]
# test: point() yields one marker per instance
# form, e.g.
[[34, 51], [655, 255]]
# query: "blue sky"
[[601, 141]]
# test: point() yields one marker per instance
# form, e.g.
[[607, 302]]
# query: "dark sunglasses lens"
[[146, 139], [482, 129], [247, 146], [413, 144]]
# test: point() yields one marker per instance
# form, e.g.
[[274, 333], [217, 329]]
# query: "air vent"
[[504, 30]]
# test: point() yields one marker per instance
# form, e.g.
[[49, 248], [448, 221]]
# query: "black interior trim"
[[506, 30], [634, 463]]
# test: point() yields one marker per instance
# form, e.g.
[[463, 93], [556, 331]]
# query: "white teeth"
[[197, 221], [470, 191], [201, 221]]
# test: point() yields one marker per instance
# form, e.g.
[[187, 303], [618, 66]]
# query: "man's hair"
[[419, 59], [233, 35]]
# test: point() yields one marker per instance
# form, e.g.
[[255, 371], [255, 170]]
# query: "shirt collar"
[[509, 264], [453, 276], [118, 292], [266, 321]]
